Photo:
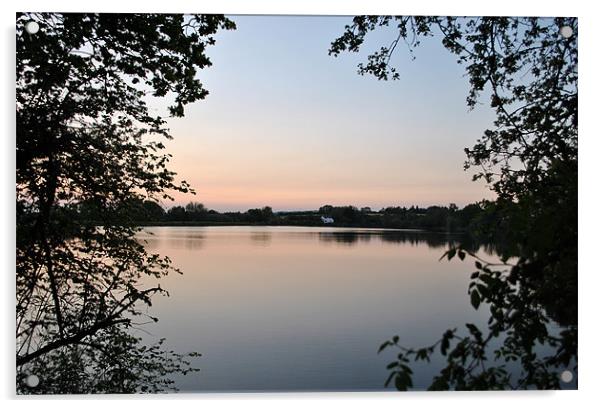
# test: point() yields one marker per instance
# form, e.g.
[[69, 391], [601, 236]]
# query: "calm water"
[[295, 308]]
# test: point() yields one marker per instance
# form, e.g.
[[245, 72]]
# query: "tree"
[[152, 211], [195, 207], [326, 209], [176, 213], [528, 69], [87, 144], [264, 214], [195, 211]]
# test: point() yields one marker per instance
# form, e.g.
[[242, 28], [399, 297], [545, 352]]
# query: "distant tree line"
[[449, 218]]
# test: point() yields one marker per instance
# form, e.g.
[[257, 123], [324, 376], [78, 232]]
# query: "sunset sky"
[[287, 125]]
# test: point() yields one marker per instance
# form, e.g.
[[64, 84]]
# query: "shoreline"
[[218, 224]]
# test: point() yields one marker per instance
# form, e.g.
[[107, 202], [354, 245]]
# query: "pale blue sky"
[[289, 126]]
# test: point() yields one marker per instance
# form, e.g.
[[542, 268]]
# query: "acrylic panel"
[[269, 203]]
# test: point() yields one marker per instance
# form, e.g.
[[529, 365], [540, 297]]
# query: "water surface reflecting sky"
[[299, 308]]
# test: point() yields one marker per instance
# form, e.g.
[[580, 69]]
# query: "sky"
[[288, 126]]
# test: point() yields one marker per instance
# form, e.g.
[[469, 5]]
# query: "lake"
[[304, 308]]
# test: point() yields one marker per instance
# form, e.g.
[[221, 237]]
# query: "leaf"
[[461, 255], [475, 299], [403, 381], [472, 328], [392, 365], [384, 346], [444, 345], [393, 373], [488, 280], [422, 354]]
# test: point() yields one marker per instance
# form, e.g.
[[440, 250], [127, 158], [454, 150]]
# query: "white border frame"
[[589, 219]]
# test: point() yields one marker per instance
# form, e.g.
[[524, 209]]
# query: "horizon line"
[[359, 207]]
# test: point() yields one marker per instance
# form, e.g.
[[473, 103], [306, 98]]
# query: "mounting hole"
[[566, 31], [32, 27], [566, 376], [32, 381]]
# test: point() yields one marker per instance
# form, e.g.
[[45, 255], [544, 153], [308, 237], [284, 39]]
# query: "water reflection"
[[395, 237], [411, 237], [303, 308], [262, 238], [194, 237], [155, 238]]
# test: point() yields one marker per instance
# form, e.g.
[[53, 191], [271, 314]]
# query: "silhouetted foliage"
[[90, 168], [529, 159], [262, 215]]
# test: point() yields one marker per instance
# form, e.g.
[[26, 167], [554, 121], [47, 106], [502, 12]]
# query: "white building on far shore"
[[327, 220]]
